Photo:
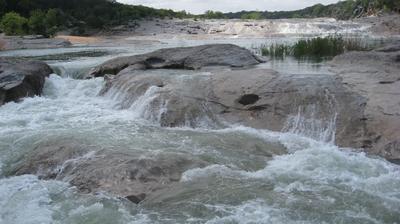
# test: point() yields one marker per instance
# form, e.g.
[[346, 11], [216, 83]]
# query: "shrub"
[[43, 23], [252, 15], [14, 24], [37, 22]]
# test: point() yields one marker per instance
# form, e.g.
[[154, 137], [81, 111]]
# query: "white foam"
[[24, 200], [255, 211]]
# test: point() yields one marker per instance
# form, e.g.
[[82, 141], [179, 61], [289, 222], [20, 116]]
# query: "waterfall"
[[316, 121]]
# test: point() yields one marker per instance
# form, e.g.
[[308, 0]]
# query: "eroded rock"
[[120, 174], [375, 75], [258, 98], [181, 58], [20, 79]]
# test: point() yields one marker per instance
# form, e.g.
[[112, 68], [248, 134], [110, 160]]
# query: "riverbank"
[[156, 29]]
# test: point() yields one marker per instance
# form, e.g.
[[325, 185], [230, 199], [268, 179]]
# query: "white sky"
[[200, 6]]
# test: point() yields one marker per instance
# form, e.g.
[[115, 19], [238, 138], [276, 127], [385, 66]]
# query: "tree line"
[[45, 17], [342, 10]]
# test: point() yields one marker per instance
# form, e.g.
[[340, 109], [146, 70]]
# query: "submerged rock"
[[181, 58], [20, 79], [91, 171]]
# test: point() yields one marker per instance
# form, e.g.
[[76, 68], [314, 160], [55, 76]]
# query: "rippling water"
[[251, 179]]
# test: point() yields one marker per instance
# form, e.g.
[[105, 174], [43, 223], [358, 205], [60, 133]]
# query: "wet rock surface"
[[259, 98], [20, 79], [119, 174], [191, 58], [375, 75], [360, 99]]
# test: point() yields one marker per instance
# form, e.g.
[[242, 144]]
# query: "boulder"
[[357, 106], [20, 79], [92, 170], [259, 98], [191, 58]]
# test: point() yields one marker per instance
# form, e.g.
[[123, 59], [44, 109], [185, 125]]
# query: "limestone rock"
[[182, 58], [19, 79]]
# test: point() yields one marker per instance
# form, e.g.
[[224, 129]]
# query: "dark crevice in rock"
[[154, 60], [387, 82], [136, 198], [248, 99], [257, 108]]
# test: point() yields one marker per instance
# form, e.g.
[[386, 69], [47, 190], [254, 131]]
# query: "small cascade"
[[144, 105], [306, 124], [316, 121]]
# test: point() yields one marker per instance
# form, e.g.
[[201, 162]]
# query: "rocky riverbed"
[[189, 131]]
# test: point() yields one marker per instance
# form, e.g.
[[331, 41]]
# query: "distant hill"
[[342, 10]]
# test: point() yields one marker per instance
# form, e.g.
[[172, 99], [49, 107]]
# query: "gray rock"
[[258, 98], [375, 75], [358, 106], [16, 43], [91, 171], [20, 79], [182, 58]]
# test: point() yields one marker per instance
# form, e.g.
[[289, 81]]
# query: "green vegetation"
[[13, 24], [315, 48], [252, 15], [209, 14], [277, 50], [342, 10], [45, 17]]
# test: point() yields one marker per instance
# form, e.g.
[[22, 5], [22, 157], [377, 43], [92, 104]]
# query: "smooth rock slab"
[[375, 75], [20, 79], [91, 171], [190, 58], [317, 106]]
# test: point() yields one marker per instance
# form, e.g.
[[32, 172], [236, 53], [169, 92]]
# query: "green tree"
[[252, 15], [43, 23], [14, 24], [209, 14], [37, 23]]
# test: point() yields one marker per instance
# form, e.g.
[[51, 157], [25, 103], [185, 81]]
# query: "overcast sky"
[[200, 6]]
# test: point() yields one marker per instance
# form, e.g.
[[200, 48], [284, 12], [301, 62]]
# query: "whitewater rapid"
[[294, 176], [313, 182]]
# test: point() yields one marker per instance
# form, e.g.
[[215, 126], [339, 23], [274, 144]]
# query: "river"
[[254, 176]]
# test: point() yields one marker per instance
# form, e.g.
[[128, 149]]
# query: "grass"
[[276, 50], [315, 48]]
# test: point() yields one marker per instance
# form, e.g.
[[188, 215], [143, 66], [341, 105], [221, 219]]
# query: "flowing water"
[[255, 176]]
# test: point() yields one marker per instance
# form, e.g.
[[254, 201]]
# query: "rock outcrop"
[[258, 98], [375, 75], [20, 79], [357, 106], [190, 58], [31, 42], [120, 174]]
